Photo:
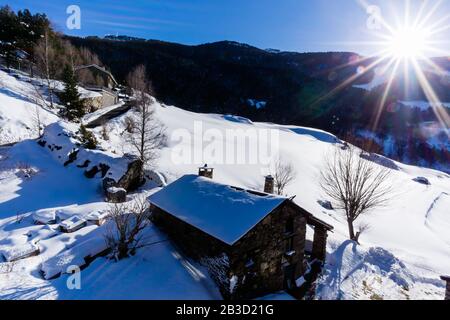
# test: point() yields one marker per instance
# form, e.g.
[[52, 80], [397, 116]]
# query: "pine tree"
[[70, 97], [8, 35]]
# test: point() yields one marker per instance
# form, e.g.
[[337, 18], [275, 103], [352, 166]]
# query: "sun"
[[407, 43], [403, 43]]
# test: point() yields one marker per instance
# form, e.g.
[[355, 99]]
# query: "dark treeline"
[[30, 43], [222, 77], [307, 89]]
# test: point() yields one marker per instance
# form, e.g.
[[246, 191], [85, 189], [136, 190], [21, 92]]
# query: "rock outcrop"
[[131, 180], [116, 195]]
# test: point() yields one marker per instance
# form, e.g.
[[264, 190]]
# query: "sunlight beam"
[[432, 97], [386, 93]]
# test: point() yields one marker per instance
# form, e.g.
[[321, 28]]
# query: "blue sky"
[[295, 25]]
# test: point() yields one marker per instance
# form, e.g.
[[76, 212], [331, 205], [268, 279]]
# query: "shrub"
[[87, 138]]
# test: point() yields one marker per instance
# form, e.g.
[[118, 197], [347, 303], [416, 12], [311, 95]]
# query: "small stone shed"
[[104, 98], [252, 243]]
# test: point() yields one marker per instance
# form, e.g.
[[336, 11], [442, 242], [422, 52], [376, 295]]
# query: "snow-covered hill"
[[401, 256], [18, 109]]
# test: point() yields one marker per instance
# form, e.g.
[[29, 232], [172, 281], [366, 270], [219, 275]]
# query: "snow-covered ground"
[[18, 109], [381, 76], [424, 105], [401, 256]]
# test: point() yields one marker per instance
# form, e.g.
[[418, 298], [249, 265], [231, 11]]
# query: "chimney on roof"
[[447, 290], [269, 184], [205, 171]]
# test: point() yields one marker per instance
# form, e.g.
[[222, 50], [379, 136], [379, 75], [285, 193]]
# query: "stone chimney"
[[269, 184], [447, 290], [205, 171]]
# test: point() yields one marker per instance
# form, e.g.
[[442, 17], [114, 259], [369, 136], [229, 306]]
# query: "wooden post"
[[447, 290]]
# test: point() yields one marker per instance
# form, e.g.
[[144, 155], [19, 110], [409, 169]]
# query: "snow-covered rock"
[[20, 252], [45, 216], [98, 216], [72, 224]]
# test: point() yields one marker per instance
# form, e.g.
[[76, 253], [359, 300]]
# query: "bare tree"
[[355, 185], [88, 57], [71, 56], [124, 235], [147, 134], [45, 53], [7, 267], [85, 76], [284, 174], [105, 132]]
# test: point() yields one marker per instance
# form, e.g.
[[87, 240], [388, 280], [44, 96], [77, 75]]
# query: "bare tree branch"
[[45, 58], [284, 174], [124, 235], [355, 185], [146, 134]]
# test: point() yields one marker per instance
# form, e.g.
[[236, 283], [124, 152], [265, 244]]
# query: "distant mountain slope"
[[223, 76], [307, 89]]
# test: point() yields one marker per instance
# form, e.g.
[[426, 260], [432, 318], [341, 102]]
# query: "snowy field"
[[401, 256]]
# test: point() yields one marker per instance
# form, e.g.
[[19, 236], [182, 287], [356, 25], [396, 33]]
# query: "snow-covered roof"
[[44, 216], [101, 69], [97, 215], [72, 222], [223, 211]]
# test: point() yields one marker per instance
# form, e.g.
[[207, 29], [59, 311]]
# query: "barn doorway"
[[289, 276]]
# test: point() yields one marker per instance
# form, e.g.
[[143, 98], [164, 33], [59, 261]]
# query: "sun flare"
[[407, 42], [404, 47]]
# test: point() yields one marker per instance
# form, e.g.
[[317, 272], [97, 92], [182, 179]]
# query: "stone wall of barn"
[[93, 104], [258, 260], [319, 250], [198, 245], [109, 99], [193, 241]]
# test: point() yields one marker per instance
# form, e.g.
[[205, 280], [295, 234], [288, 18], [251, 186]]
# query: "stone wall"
[[319, 250], [198, 245], [447, 292], [194, 242], [447, 287], [109, 99], [93, 104], [259, 258]]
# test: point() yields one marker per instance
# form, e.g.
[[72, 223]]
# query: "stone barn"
[[252, 243], [100, 82]]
